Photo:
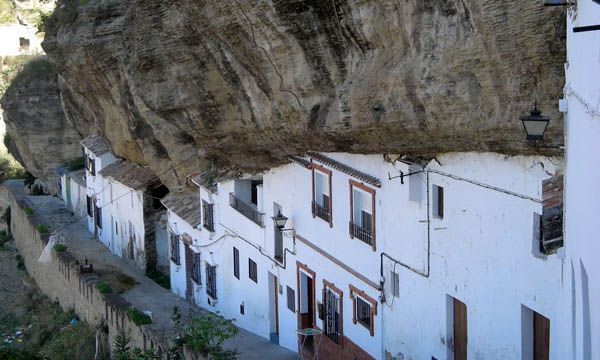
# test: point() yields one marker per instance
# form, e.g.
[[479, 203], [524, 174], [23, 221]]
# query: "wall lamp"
[[279, 220], [535, 124]]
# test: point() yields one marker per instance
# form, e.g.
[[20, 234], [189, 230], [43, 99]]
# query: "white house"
[[580, 298], [74, 192], [378, 263], [123, 207]]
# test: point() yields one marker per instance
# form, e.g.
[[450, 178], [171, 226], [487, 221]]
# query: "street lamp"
[[535, 124]]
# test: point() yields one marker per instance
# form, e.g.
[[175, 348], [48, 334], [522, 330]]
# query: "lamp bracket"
[[403, 175]]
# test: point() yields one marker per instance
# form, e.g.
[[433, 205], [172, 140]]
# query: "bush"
[[138, 317], [4, 237], [159, 278], [123, 352], [37, 190], [28, 211], [76, 164], [20, 262], [42, 229], [206, 335], [59, 247], [29, 179], [103, 287], [18, 354], [71, 342]]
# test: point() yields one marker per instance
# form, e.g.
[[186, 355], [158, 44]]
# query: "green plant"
[[42, 229], [138, 317], [29, 179], [159, 278], [18, 354], [206, 335], [71, 342], [59, 247], [4, 237], [138, 354], [103, 287], [28, 211], [6, 218], [121, 345], [37, 190], [20, 262], [76, 164]]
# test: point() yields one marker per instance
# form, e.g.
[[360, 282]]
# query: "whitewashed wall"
[[581, 293], [95, 185]]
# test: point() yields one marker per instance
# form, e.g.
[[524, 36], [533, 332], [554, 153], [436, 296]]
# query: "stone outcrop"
[[38, 134], [239, 85]]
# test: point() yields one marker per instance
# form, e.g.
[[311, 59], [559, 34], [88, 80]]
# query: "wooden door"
[[189, 286], [541, 337], [460, 330]]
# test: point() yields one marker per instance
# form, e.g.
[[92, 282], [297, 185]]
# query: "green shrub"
[[138, 317], [103, 287], [29, 179], [28, 211], [42, 229], [37, 190], [76, 164], [20, 262], [71, 342], [4, 237], [159, 278], [59, 247], [206, 335]]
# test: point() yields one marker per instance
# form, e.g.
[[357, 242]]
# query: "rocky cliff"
[[234, 85], [38, 134]]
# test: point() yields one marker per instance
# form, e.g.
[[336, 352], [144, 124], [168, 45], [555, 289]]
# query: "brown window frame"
[[252, 270], [355, 184], [300, 267], [328, 173], [340, 294], [354, 292]]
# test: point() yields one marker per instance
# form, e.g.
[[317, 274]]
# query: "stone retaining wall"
[[60, 280]]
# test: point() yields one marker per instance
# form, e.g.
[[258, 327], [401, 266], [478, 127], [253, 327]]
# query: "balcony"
[[320, 211], [246, 209], [362, 234]]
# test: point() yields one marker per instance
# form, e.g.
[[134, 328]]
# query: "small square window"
[[291, 299], [363, 312]]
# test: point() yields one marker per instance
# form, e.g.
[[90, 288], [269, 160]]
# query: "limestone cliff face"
[[39, 136], [184, 85]]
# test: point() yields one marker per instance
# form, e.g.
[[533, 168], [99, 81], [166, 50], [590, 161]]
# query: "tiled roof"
[[345, 169], [201, 179], [186, 205], [130, 174], [96, 144], [78, 176]]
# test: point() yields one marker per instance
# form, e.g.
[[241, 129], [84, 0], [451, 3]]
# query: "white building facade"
[[380, 264]]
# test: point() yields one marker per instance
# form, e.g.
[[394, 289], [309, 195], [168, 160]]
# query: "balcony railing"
[[320, 211], [365, 235], [246, 210]]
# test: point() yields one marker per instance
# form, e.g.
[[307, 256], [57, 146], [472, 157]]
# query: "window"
[[438, 202], [291, 299], [211, 281], [98, 216], [365, 309], [394, 284], [236, 263], [196, 273], [91, 165], [175, 248], [24, 44], [89, 206], [332, 308], [321, 204], [362, 207], [207, 216], [116, 227], [254, 191], [252, 271]]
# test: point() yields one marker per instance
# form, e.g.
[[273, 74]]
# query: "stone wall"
[[60, 280]]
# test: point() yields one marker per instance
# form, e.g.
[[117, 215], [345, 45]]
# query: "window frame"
[[354, 293], [211, 281], [438, 210], [98, 216], [208, 221], [328, 173], [362, 187], [175, 252], [90, 206], [196, 268], [252, 271], [340, 295], [291, 301], [236, 262]]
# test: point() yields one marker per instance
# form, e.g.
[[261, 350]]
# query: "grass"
[[60, 247], [138, 317], [28, 211], [159, 278], [42, 229], [103, 287]]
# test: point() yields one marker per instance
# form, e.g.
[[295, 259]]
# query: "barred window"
[[196, 273], [363, 312], [175, 248], [291, 299], [332, 318], [207, 216], [211, 281], [236, 263]]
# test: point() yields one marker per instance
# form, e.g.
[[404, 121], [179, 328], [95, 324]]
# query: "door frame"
[[303, 268]]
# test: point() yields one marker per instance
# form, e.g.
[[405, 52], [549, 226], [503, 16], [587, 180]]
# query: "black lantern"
[[279, 220], [535, 124]]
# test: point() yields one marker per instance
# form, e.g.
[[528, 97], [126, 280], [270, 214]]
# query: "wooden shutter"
[[541, 337], [460, 330]]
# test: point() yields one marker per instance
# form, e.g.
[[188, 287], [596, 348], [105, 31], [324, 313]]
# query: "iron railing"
[[320, 211], [207, 216], [365, 235], [246, 210]]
